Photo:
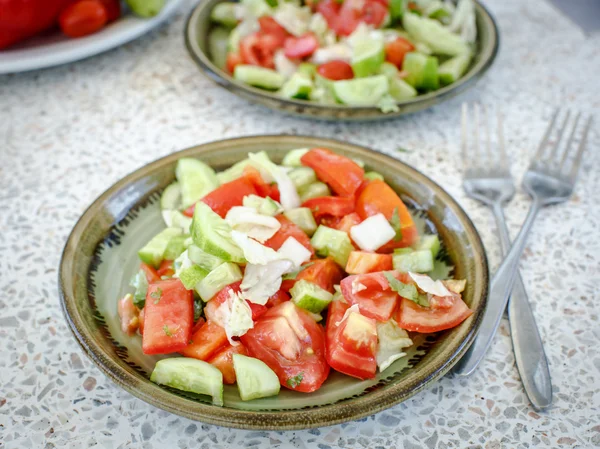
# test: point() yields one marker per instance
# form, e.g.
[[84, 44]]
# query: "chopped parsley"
[[407, 291], [293, 382], [157, 294], [168, 332], [395, 222]]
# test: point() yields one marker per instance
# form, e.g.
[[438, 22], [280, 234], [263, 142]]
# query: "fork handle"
[[500, 289], [527, 343]]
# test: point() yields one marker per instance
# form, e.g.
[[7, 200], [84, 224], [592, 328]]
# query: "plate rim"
[[293, 419]]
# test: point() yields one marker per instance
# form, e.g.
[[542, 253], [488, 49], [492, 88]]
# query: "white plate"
[[54, 49]]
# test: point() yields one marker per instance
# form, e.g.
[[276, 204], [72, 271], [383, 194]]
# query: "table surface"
[[68, 133]]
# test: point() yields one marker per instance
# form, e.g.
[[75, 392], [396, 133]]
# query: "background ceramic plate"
[[48, 50], [196, 38], [100, 258]]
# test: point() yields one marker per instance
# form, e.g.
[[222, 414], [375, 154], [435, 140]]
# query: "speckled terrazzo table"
[[68, 133]]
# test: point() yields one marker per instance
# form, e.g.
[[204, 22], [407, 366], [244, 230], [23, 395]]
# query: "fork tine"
[[464, 139], [544, 142], [554, 148], [504, 164], [578, 157], [564, 161]]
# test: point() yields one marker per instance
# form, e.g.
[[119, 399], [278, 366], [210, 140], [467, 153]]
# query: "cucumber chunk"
[[264, 206], [191, 375], [331, 242], [175, 219], [303, 218], [175, 247], [258, 76], [217, 279], [217, 45], [196, 179], [212, 235], [452, 69], [225, 14], [302, 176], [171, 197], [361, 91], [192, 276], [153, 252], [140, 283], [314, 190], [373, 175], [368, 55], [298, 86], [203, 259], [417, 261], [308, 69], [431, 32], [400, 90], [234, 172], [309, 296], [254, 378], [422, 71], [292, 157], [431, 243]]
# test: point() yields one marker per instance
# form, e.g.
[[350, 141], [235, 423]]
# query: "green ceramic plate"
[[196, 39], [100, 257]]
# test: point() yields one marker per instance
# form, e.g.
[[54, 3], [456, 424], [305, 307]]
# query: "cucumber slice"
[[302, 176], [254, 378], [258, 76], [361, 91], [140, 283], [331, 242], [314, 190], [175, 247], [264, 206], [429, 242], [217, 45], [175, 219], [452, 69], [390, 70], [298, 86], [257, 8], [217, 279], [309, 296], [400, 90], [373, 175], [225, 13], [212, 235], [292, 157], [153, 252], [192, 276], [422, 71], [203, 259], [145, 8], [171, 197], [303, 218], [431, 32], [367, 57], [196, 179], [403, 250], [308, 69], [191, 375], [234, 172], [417, 261]]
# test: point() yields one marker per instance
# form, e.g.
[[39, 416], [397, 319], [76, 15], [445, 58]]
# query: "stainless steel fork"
[[488, 180], [550, 179]]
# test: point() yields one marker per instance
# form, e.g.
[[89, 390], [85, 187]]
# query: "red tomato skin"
[[341, 354], [301, 47], [414, 318], [206, 341], [198, 324], [213, 304], [342, 174], [336, 70], [113, 9], [223, 360], [323, 272], [258, 310], [374, 13], [288, 229], [347, 222], [362, 262], [259, 48], [150, 272], [396, 50], [310, 362], [278, 298], [233, 59], [377, 301], [336, 206], [378, 197], [166, 269], [82, 18], [129, 315], [227, 196], [264, 189], [169, 319], [268, 25]]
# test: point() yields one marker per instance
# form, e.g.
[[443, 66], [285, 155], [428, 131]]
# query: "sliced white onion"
[[372, 233]]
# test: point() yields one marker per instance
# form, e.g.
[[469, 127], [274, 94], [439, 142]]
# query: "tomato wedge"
[[395, 51], [292, 344], [150, 272], [414, 318], [323, 272], [206, 341], [351, 343], [223, 360], [377, 197], [374, 13], [226, 196], [166, 269], [269, 26], [277, 298], [233, 59], [288, 229], [264, 189], [342, 174], [168, 317], [347, 222], [362, 262], [372, 293], [336, 206], [301, 47], [259, 49], [336, 70]]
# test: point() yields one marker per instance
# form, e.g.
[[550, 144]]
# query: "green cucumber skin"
[[254, 378]]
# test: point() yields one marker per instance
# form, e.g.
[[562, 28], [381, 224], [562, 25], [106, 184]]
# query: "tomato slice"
[[292, 344], [378, 197], [198, 324], [277, 298], [372, 293], [336, 206], [288, 229], [362, 262], [347, 222], [336, 70], [206, 341], [323, 272], [348, 18], [168, 317], [226, 196], [150, 272], [301, 47], [268, 25], [233, 59], [396, 50], [129, 315], [342, 174], [374, 13], [330, 9], [351, 343], [259, 48], [166, 269], [257, 310], [223, 360], [264, 189], [414, 318]]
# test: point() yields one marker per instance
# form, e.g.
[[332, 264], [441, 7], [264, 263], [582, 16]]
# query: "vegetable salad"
[[271, 275], [352, 52]]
